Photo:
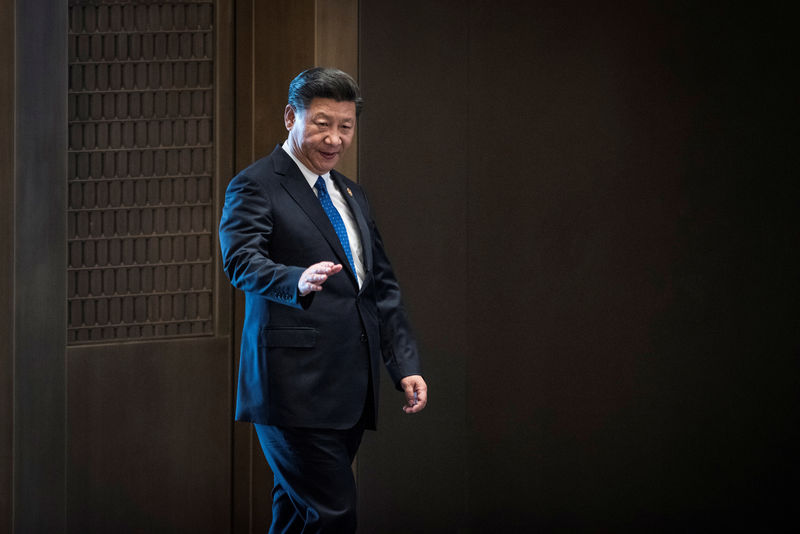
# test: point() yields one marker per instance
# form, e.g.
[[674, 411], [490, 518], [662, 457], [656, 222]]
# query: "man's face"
[[319, 135]]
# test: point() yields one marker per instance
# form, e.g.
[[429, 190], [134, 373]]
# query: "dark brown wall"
[[591, 212], [414, 133]]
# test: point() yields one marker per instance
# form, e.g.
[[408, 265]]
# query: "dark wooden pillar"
[[7, 49], [37, 282]]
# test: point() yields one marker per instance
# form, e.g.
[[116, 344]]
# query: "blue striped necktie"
[[335, 218]]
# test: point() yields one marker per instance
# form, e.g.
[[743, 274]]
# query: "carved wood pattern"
[[140, 170]]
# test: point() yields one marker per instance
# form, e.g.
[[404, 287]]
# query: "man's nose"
[[333, 139]]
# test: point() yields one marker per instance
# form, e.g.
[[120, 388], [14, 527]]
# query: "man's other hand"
[[416, 392]]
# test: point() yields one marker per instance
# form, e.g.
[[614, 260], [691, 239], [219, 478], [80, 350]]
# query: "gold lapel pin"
[[349, 192]]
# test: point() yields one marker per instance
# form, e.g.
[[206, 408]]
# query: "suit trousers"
[[314, 488]]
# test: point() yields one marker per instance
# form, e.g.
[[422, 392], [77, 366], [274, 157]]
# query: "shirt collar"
[[308, 174]]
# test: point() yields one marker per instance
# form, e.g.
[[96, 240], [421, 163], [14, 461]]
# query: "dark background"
[[592, 209]]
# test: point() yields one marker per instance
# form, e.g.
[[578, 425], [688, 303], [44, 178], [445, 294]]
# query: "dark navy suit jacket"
[[308, 361]]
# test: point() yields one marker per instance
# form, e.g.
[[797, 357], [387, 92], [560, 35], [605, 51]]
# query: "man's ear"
[[289, 116]]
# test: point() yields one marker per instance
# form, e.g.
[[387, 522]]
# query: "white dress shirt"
[[339, 202]]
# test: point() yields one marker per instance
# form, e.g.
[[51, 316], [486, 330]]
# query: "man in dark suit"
[[323, 308]]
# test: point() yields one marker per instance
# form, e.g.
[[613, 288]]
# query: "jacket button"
[[363, 337]]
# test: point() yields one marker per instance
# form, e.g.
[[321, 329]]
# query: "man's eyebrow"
[[323, 115]]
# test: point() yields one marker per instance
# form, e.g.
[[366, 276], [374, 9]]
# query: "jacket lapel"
[[361, 220]]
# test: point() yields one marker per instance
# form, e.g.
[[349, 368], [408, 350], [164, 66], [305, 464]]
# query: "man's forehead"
[[343, 109]]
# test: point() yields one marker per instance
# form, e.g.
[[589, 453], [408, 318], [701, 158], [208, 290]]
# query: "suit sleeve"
[[398, 344], [245, 229]]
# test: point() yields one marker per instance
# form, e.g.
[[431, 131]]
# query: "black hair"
[[321, 82]]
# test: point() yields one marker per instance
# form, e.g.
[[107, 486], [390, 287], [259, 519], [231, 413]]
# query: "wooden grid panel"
[[140, 170]]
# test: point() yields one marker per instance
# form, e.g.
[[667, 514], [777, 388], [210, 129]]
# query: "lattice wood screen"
[[140, 170]]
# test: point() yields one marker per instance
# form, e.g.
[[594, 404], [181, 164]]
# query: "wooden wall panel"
[[283, 45], [112, 436], [149, 368], [141, 215], [149, 437], [336, 45]]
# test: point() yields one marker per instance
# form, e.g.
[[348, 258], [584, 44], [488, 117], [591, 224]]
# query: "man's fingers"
[[422, 397], [418, 400], [317, 274], [326, 268], [410, 392]]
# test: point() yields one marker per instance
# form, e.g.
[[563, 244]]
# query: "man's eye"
[[322, 124]]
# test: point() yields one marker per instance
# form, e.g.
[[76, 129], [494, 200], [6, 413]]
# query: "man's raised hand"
[[316, 275]]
